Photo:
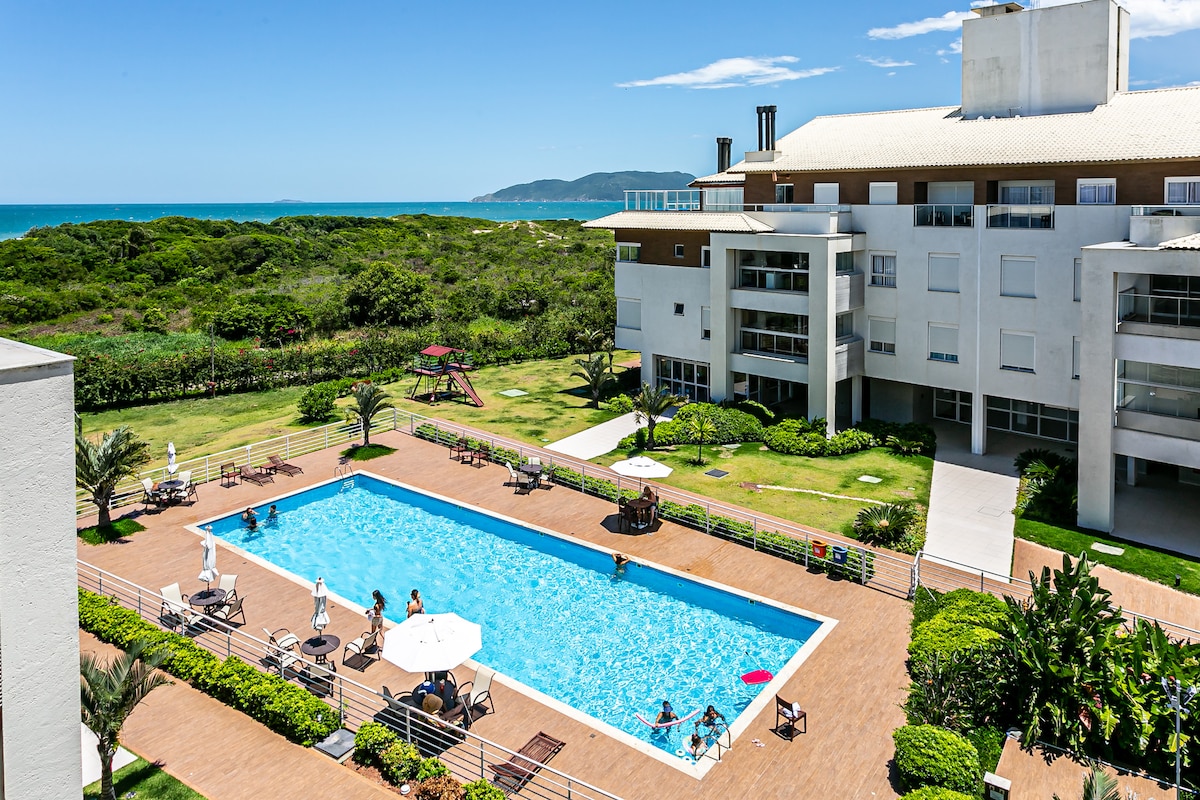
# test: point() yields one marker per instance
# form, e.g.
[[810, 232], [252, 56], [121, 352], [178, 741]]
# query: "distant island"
[[599, 186]]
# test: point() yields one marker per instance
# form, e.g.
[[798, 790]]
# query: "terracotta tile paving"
[[851, 685], [1039, 775]]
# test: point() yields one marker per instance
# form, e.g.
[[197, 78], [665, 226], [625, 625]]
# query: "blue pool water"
[[555, 615]]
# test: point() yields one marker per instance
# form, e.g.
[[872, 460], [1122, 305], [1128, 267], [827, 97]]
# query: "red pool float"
[[756, 677]]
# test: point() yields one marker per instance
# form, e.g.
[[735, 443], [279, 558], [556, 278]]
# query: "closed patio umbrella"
[[641, 467], [432, 642], [171, 458], [320, 617], [208, 557]]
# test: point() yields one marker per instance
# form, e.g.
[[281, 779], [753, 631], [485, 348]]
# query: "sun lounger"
[[512, 775], [255, 476], [279, 465]]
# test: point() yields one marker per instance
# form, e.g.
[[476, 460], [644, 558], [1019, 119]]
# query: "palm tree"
[[596, 374], [651, 404], [369, 400], [592, 340], [701, 427], [99, 467], [1099, 785], [108, 693]]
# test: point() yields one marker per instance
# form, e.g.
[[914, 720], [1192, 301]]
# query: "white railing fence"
[[466, 754]]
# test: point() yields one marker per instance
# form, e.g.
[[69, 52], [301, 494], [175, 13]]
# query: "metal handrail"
[[355, 703]]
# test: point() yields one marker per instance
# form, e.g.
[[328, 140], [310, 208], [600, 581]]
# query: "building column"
[[855, 399], [978, 423], [1131, 468], [1097, 393], [822, 318]]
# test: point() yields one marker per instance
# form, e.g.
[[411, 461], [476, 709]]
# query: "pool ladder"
[[346, 473]]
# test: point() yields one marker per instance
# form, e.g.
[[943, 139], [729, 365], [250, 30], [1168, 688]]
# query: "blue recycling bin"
[[839, 554]]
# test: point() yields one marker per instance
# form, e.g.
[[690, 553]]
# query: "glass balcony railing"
[[1164, 401], [774, 344], [773, 280], [1165, 211], [1020, 217], [937, 215], [1159, 309], [662, 200]]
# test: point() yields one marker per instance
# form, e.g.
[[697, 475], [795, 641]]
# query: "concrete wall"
[[1044, 61], [39, 620]]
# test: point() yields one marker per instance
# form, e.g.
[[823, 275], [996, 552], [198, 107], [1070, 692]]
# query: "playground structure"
[[442, 372]]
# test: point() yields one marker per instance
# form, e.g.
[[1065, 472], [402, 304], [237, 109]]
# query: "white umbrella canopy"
[[320, 617], [171, 458], [208, 557], [432, 642], [641, 467]]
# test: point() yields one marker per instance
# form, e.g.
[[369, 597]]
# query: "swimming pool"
[[556, 615]]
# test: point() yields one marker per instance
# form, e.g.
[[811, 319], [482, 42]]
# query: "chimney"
[[724, 145], [766, 127]]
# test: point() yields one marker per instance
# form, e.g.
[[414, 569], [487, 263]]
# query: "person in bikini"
[[416, 605]]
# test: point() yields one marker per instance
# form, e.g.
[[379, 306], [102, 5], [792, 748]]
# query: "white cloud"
[[954, 48], [1153, 17], [885, 63], [731, 72], [950, 21]]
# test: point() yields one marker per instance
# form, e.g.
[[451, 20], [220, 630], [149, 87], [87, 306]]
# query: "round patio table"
[[641, 505], [205, 599], [320, 646]]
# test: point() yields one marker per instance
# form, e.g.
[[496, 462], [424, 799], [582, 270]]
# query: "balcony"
[[1021, 217], [663, 200], [773, 344], [1155, 309], [1165, 211], [943, 216], [789, 280]]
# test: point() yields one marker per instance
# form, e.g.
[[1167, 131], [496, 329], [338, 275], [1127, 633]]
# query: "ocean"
[[15, 221]]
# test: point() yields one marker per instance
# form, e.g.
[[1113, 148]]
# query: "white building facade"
[[930, 263]]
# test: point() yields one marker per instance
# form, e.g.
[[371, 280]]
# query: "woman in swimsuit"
[[416, 605], [711, 715], [375, 612]]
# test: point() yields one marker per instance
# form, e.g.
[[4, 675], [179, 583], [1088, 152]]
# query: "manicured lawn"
[[903, 478], [1152, 564], [118, 530], [146, 782], [368, 452]]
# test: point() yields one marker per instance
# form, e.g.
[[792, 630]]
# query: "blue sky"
[[406, 101]]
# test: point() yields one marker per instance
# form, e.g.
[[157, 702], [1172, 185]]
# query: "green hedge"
[[482, 790], [937, 793], [282, 706], [927, 755], [799, 437], [956, 621], [730, 426], [398, 761]]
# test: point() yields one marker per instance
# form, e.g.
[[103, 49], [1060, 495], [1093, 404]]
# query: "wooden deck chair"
[[787, 715], [255, 476], [229, 474], [512, 775], [279, 465]]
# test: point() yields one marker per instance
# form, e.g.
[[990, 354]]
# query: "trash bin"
[[818, 548], [839, 554]]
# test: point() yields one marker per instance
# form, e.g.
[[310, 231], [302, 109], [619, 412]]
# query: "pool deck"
[[851, 685]]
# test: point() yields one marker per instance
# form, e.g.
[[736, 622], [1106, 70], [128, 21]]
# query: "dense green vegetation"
[[296, 301]]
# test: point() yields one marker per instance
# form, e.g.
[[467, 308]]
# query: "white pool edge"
[[685, 765]]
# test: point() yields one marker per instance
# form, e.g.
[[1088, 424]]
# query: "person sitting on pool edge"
[[250, 517], [667, 715], [416, 605]]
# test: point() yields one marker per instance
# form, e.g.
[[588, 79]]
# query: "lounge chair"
[[229, 474], [175, 610], [229, 584], [229, 610], [279, 465], [283, 648], [255, 476], [787, 714], [478, 692], [360, 646], [512, 775]]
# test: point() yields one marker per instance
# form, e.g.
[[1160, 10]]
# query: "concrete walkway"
[[600, 439]]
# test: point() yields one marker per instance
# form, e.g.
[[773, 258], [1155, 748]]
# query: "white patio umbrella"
[[170, 458], [432, 642], [208, 558], [320, 617], [641, 467]]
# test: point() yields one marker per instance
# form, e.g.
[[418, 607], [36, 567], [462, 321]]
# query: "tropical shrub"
[[927, 755], [317, 402], [400, 761], [989, 743], [370, 740], [620, 404], [431, 768], [907, 432], [442, 787], [481, 790], [1048, 489], [730, 426], [801, 437], [760, 412], [960, 691], [946, 637], [885, 525], [974, 608]]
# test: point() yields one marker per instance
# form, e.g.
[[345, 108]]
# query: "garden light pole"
[[1177, 699]]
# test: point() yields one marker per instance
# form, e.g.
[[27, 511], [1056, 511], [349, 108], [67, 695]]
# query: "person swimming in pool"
[[710, 717], [416, 605], [667, 715], [250, 517]]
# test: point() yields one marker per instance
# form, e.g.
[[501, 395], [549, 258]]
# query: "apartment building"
[[969, 264]]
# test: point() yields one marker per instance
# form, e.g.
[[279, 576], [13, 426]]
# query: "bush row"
[[799, 437], [400, 762], [730, 426], [282, 706], [962, 620], [927, 755]]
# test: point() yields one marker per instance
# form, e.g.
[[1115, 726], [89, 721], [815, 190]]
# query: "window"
[[1158, 389], [952, 405], [1183, 191], [705, 322], [883, 194], [943, 343], [774, 333], [629, 314], [1017, 276], [706, 257], [844, 325], [954, 193], [883, 270], [1016, 351], [1040, 193], [1096, 191], [1034, 419], [685, 378], [628, 252], [883, 335], [774, 271], [785, 193], [1075, 358], [825, 194], [943, 272], [679, 251], [679, 309], [1078, 291], [844, 263]]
